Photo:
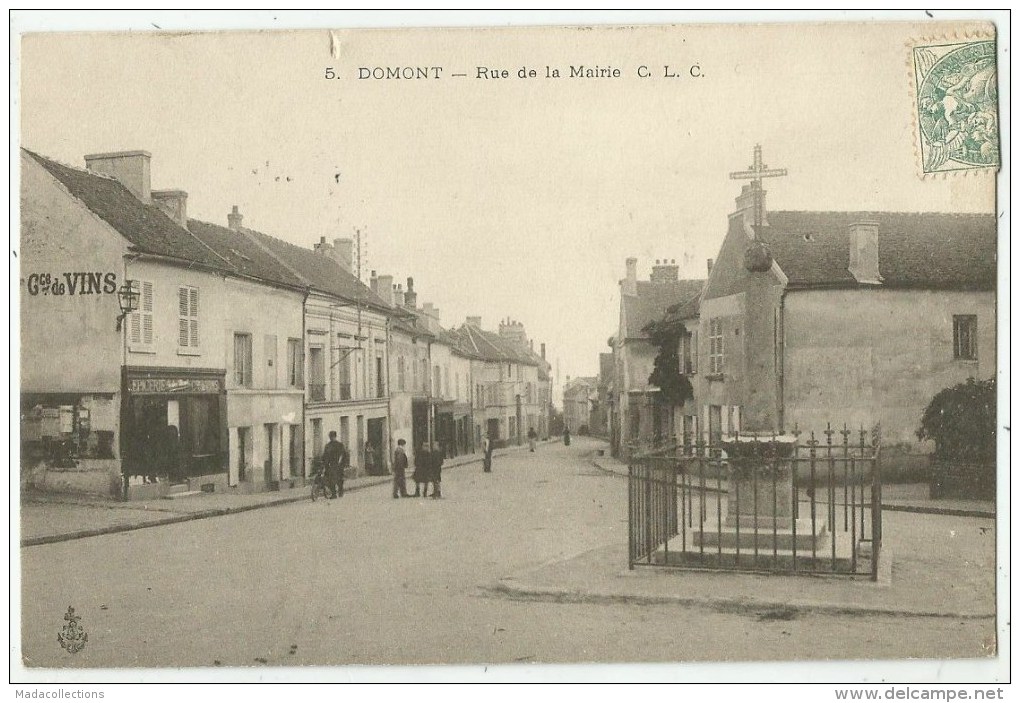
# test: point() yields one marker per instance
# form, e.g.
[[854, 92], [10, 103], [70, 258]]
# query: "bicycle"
[[319, 489]]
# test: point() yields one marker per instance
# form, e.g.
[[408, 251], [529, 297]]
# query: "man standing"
[[422, 470], [399, 470], [487, 461], [332, 464], [532, 438]]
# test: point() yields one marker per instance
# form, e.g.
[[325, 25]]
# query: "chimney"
[[398, 296], [745, 205], [131, 168], [475, 321], [710, 266], [343, 253], [542, 347], [410, 297], [174, 203], [373, 282], [384, 289], [629, 284], [665, 272], [864, 252], [234, 219]]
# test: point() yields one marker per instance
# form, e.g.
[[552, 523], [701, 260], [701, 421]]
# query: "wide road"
[[372, 580]]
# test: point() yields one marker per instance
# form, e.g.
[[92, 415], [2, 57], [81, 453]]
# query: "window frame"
[[141, 318], [243, 375], [716, 346], [965, 332]]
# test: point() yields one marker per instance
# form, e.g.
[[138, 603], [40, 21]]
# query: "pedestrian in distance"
[[369, 459], [422, 470], [532, 438], [437, 469], [332, 465], [400, 470], [566, 436], [487, 460]]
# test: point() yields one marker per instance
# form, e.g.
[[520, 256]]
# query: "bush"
[[961, 422]]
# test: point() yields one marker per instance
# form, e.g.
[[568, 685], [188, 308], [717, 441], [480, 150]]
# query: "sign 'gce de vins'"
[[73, 283]]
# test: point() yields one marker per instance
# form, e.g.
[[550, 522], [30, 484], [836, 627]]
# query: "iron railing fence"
[[759, 504]]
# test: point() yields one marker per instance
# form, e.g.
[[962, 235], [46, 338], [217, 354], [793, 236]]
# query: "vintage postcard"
[[478, 350]]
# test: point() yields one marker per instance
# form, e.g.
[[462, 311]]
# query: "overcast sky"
[[509, 197]]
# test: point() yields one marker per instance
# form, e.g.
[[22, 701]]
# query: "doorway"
[[271, 452]]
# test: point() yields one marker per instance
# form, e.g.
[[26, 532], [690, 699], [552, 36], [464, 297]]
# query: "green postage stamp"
[[956, 97]]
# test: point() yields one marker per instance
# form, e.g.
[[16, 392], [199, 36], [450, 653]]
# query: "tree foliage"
[[674, 387], [961, 422]]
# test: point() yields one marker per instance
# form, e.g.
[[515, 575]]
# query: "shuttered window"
[[242, 360], [140, 322], [187, 317]]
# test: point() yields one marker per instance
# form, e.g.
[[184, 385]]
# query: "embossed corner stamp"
[[957, 106]]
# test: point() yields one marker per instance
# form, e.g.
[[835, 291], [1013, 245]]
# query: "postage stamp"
[[956, 98]]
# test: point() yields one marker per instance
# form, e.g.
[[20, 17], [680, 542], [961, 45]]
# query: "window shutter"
[[694, 352], [182, 301], [135, 336]]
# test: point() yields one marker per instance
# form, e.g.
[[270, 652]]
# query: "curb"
[[958, 512], [721, 605], [218, 512]]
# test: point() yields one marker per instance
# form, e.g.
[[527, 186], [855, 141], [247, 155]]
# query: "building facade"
[[857, 318]]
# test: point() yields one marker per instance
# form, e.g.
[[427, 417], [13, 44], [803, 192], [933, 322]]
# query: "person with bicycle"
[[333, 460]]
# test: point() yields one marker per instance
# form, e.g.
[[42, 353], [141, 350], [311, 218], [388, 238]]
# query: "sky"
[[512, 197]]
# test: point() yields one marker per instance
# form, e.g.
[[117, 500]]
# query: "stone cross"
[[754, 173]]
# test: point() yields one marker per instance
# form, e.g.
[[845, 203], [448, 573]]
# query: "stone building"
[[146, 405], [639, 419], [580, 397], [856, 318]]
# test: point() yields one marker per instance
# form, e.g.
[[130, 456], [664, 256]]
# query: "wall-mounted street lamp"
[[127, 296]]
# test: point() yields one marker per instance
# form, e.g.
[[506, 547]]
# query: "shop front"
[[174, 430]]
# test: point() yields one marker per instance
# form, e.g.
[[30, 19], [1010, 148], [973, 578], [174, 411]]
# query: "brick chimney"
[[385, 289], [864, 252], [542, 347], [745, 206], [410, 297], [234, 219], [710, 262], [174, 203], [131, 168], [343, 253], [398, 296], [475, 321], [373, 280], [629, 284], [666, 272]]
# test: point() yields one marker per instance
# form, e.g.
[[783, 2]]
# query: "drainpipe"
[[304, 387], [389, 396], [781, 361]]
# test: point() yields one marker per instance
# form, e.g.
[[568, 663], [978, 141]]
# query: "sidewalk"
[[934, 565], [51, 517]]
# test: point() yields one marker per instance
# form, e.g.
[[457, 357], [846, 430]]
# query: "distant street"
[[372, 580]]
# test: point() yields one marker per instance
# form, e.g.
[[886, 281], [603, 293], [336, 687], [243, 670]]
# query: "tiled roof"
[[489, 346], [145, 226], [320, 272], [654, 299], [915, 250], [244, 253]]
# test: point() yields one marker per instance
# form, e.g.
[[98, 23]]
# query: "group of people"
[[428, 468], [428, 465]]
